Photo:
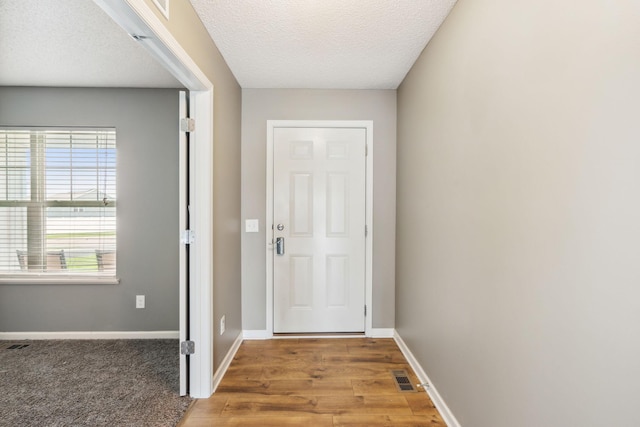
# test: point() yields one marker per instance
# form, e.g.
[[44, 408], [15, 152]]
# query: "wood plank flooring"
[[315, 382]]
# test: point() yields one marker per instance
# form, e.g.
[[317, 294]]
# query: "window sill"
[[59, 280]]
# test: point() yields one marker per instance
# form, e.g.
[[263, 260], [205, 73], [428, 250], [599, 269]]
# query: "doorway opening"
[[138, 20]]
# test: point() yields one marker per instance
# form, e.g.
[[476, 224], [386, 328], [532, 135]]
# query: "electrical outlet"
[[139, 301], [222, 324]]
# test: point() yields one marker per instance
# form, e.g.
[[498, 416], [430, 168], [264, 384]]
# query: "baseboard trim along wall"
[[224, 365], [88, 335], [256, 334], [437, 400], [382, 333]]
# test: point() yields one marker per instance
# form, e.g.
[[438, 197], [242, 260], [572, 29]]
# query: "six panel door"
[[319, 212]]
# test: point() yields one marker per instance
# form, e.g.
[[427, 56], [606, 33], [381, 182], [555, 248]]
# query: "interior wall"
[[260, 105], [186, 27], [518, 206], [146, 122]]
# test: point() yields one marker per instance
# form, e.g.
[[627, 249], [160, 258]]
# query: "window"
[[57, 202]]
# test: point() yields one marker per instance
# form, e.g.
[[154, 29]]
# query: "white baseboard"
[[437, 400], [224, 365], [257, 334], [382, 332], [88, 335]]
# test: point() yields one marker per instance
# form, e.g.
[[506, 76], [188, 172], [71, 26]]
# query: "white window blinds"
[[57, 202]]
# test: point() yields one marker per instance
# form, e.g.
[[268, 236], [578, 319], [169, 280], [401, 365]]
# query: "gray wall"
[[146, 123], [518, 210], [260, 105], [185, 25]]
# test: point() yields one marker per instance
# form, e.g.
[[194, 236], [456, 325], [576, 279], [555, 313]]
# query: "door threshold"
[[285, 335]]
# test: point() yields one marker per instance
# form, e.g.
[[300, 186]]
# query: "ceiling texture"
[[338, 44], [71, 43]]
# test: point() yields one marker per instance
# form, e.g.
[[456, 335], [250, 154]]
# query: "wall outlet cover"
[[139, 301]]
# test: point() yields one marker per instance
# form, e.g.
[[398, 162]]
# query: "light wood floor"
[[315, 382]]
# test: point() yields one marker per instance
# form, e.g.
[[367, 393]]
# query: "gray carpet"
[[90, 383]]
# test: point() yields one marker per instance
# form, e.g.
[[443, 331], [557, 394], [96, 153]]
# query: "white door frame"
[[364, 124], [137, 18]]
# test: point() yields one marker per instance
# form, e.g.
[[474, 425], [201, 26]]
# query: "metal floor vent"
[[402, 381], [17, 346]]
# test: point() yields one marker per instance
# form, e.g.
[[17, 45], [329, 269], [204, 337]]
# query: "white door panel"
[[183, 282], [319, 201]]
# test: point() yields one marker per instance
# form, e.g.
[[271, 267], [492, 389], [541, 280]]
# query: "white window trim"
[[52, 279]]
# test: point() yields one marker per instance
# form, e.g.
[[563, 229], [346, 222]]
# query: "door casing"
[[363, 124]]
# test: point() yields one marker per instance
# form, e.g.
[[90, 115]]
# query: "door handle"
[[279, 245]]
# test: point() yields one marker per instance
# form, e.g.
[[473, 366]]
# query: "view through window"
[[57, 201]]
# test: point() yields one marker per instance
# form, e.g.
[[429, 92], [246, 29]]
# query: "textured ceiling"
[[71, 43], [357, 44]]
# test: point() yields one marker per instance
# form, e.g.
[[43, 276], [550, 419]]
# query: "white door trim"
[[368, 126], [137, 17]]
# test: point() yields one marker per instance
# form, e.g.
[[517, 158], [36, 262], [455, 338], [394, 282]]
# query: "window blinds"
[[57, 201]]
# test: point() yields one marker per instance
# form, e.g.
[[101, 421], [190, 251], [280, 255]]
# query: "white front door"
[[319, 187]]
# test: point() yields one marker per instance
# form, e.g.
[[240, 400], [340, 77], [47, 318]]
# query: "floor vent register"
[[17, 346], [402, 381]]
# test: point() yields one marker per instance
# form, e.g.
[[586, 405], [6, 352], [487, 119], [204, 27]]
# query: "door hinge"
[[187, 347], [187, 124], [187, 237], [365, 311], [366, 150], [366, 231]]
